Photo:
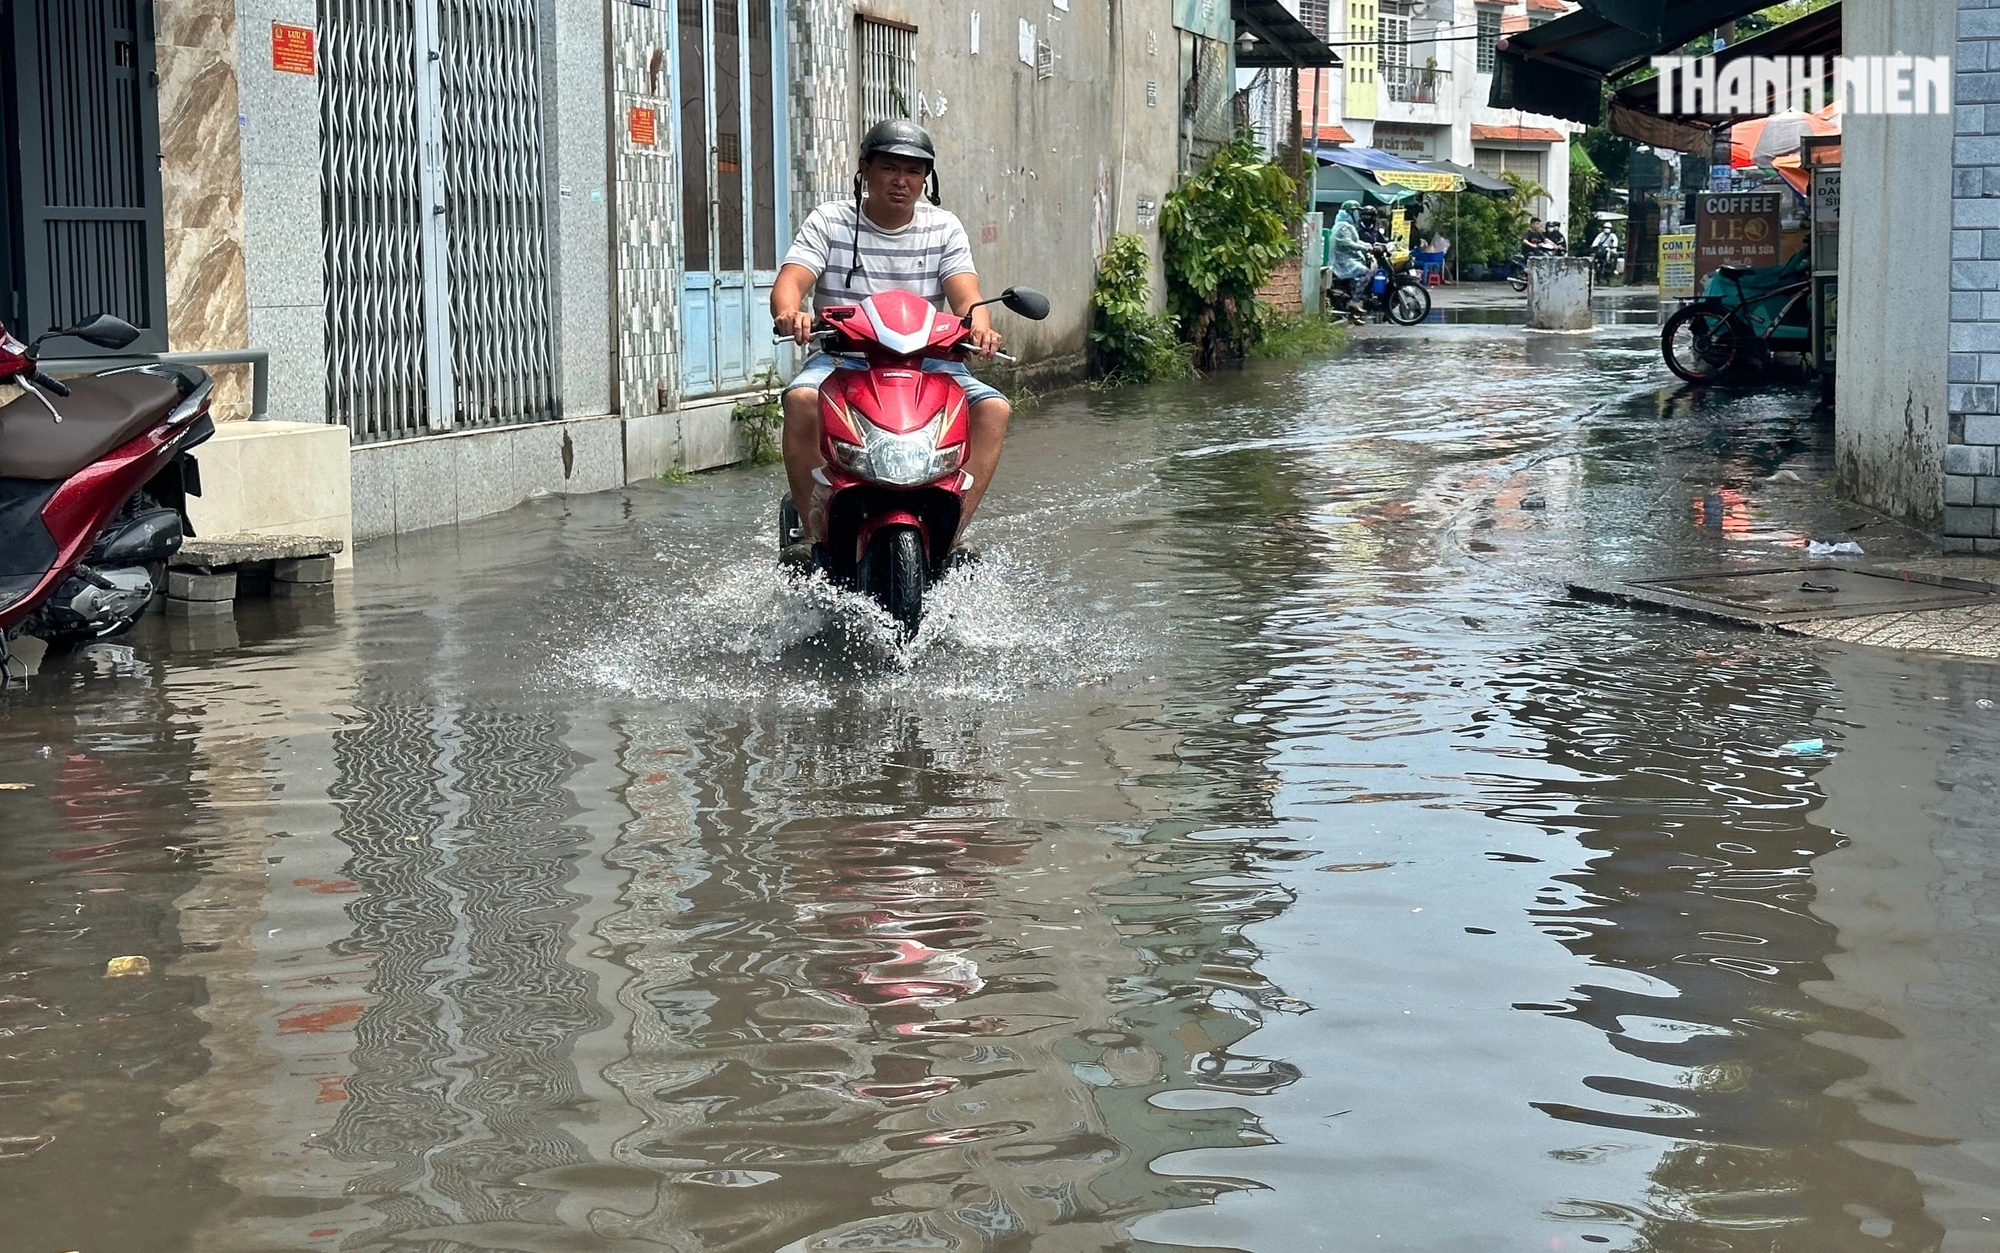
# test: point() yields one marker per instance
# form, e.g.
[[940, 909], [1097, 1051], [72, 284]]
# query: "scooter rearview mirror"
[[1027, 302], [105, 331]]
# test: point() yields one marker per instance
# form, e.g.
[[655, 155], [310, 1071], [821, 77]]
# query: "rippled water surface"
[[1257, 852]]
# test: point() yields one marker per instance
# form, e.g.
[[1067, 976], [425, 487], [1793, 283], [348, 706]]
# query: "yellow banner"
[[1676, 265], [1426, 181]]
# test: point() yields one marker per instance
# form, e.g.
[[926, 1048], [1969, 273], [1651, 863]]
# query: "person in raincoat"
[[1347, 256]]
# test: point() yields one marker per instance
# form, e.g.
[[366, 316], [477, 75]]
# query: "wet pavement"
[[1258, 852]]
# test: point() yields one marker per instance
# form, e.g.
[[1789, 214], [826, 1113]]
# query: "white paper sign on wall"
[[1027, 42], [975, 32]]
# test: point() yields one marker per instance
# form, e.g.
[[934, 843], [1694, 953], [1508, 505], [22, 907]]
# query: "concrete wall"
[[1972, 457], [1896, 276], [1042, 170]]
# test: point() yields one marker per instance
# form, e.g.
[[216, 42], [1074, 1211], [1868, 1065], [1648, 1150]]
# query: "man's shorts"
[[820, 365]]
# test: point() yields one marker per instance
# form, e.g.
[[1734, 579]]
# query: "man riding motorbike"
[[892, 236], [1371, 230], [1605, 249]]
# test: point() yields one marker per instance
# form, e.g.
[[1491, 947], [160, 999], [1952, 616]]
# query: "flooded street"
[[1258, 851]]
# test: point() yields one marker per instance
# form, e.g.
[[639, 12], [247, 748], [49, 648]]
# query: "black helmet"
[[898, 137]]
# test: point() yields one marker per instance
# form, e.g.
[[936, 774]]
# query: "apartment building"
[[1416, 81]]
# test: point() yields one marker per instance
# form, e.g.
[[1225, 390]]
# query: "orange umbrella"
[[1763, 140], [1793, 171]]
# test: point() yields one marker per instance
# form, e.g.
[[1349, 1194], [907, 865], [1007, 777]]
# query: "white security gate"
[[438, 293]]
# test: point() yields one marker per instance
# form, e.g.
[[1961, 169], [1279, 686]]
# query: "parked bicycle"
[[1743, 317]]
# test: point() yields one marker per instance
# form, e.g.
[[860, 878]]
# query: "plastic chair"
[[1432, 264]]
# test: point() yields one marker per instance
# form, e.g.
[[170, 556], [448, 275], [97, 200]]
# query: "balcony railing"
[[1412, 84]]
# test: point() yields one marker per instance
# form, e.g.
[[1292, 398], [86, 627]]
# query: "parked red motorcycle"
[[894, 436], [94, 480]]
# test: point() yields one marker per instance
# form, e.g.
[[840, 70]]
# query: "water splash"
[[744, 631]]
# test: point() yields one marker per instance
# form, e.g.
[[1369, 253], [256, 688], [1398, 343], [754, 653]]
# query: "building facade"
[[518, 246], [1416, 82]]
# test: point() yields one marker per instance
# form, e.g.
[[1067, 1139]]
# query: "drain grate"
[[1777, 595]]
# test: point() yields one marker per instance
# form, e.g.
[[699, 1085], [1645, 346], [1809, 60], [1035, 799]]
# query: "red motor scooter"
[[94, 481], [894, 437]]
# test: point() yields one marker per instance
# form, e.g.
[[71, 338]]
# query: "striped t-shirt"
[[917, 257]]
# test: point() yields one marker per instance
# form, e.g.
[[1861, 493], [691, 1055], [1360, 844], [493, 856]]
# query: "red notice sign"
[[292, 48], [644, 126]]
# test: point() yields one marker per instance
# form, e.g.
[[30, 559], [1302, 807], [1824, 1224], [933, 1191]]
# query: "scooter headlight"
[[900, 460]]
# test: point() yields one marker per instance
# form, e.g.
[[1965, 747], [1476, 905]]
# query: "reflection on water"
[[460, 843], [1254, 855]]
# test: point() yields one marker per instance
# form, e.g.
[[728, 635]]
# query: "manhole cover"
[[1771, 596]]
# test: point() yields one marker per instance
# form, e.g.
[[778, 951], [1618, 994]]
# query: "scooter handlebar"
[[54, 387]]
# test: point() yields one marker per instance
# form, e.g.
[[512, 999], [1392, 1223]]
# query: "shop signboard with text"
[[1735, 228], [1676, 266], [1412, 143]]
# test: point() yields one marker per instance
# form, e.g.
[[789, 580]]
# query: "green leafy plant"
[[1490, 227], [1584, 183], [1133, 344], [1298, 335], [762, 422], [1226, 227]]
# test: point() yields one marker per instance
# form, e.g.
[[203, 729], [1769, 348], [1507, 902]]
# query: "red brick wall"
[[1282, 290]]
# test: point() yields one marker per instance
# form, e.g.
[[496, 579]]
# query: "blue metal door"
[[730, 137]]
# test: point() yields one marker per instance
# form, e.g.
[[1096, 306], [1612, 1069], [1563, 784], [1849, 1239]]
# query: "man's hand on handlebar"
[[984, 340], [796, 326]]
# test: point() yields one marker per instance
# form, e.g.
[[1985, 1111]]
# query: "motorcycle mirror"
[[105, 331], [1027, 302]]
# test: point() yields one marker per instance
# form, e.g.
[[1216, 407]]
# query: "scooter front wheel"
[[894, 572]]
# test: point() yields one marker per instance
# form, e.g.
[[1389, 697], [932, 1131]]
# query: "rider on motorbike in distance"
[[1349, 257], [892, 237]]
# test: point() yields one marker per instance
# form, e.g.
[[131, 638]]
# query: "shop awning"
[[1280, 41], [1389, 168], [1335, 183], [1635, 111], [1559, 68], [1484, 184]]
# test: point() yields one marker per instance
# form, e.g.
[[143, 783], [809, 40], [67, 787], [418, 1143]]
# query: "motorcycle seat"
[[100, 413]]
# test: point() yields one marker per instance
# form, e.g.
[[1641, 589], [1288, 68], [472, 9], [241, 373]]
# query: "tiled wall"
[[647, 211], [201, 187], [822, 110], [1972, 457]]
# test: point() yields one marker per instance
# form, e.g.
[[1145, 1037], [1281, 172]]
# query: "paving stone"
[[214, 552], [177, 608], [188, 585], [1968, 459], [303, 570], [281, 590], [1962, 521]]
